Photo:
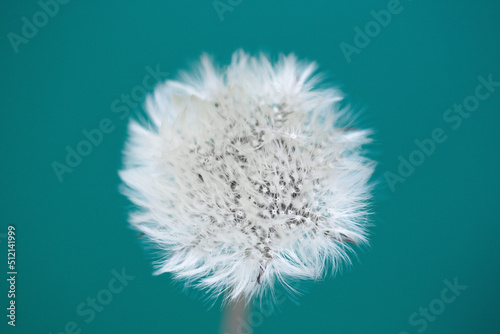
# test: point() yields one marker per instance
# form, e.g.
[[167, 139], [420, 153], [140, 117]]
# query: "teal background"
[[441, 223]]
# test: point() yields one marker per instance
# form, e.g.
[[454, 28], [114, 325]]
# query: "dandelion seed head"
[[244, 177]]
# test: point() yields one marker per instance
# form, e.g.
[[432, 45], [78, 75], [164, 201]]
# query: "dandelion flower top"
[[244, 177]]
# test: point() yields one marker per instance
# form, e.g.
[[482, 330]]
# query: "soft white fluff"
[[244, 178]]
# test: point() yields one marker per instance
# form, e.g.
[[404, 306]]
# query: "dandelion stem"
[[235, 318]]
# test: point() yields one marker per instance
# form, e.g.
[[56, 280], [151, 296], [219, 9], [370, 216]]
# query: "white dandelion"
[[245, 178]]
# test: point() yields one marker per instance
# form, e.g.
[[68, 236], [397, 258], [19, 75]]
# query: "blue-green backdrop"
[[64, 64]]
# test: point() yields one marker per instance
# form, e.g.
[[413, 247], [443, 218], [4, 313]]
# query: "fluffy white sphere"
[[244, 177]]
